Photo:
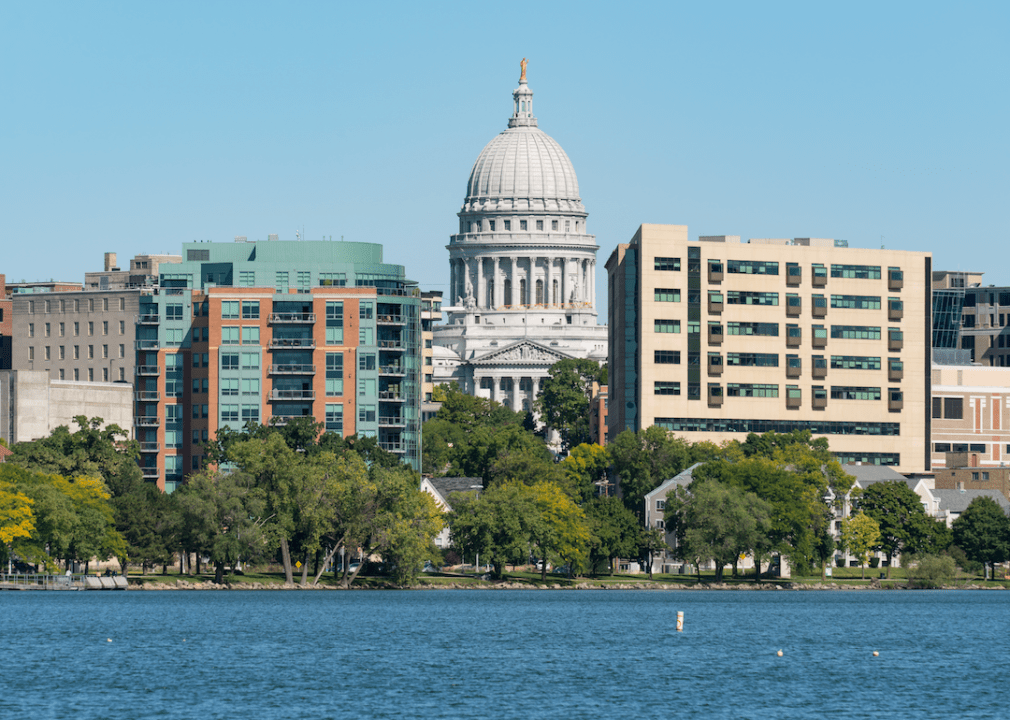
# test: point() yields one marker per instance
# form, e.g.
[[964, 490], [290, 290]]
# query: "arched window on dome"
[[508, 292], [540, 292]]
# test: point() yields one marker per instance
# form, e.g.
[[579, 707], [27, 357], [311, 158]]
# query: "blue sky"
[[134, 127]]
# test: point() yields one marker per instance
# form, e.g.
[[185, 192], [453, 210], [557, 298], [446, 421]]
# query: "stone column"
[[497, 285], [514, 276], [592, 283], [481, 290], [516, 403], [452, 282], [564, 281]]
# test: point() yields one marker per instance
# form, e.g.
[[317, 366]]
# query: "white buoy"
[[680, 621], [779, 653], [875, 653], [108, 639]]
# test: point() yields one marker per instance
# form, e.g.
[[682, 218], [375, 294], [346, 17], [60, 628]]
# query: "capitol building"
[[522, 268]]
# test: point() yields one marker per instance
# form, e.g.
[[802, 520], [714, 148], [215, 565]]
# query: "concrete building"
[[260, 331], [143, 272], [6, 326], [714, 339], [78, 336], [32, 405], [970, 412], [521, 268], [431, 314]]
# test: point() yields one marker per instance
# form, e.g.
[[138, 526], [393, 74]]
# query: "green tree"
[[899, 514], [562, 532], [650, 542], [860, 534], [718, 522], [500, 524], [585, 466], [645, 459], [614, 532], [932, 571], [983, 532], [406, 523], [564, 398]]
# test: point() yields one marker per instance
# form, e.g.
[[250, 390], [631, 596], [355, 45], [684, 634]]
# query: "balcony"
[[150, 473], [715, 335], [895, 309], [150, 447], [794, 368], [715, 272], [390, 320], [146, 421], [282, 420], [292, 370], [291, 318], [147, 345], [148, 370], [391, 345], [148, 320], [895, 401], [391, 395], [895, 341], [715, 365], [392, 370], [819, 402], [794, 399], [393, 447], [290, 343], [794, 337], [819, 368], [794, 275], [820, 338], [818, 276], [715, 396], [895, 279], [794, 306], [392, 421], [147, 396], [715, 303], [276, 394], [819, 307], [895, 371]]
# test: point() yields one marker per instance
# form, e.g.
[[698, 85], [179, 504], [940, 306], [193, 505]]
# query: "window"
[[251, 335], [62, 354], [667, 326], [250, 413], [250, 309], [335, 374], [854, 362], [666, 295], [229, 309], [845, 392], [554, 224], [667, 264], [335, 416], [953, 408], [752, 390], [938, 413], [122, 327], [667, 388], [250, 361], [31, 352], [77, 352], [332, 279], [738, 297], [105, 327], [247, 278], [31, 329], [366, 361], [667, 357], [105, 351], [122, 350], [855, 332], [856, 302], [861, 272], [47, 329], [91, 374], [174, 311], [281, 282], [366, 413], [508, 224], [91, 352], [230, 335], [752, 359], [304, 281], [752, 267], [62, 374], [334, 323], [752, 328], [229, 413], [91, 328], [540, 224], [250, 386], [229, 361], [229, 386], [62, 326], [77, 329], [522, 224]]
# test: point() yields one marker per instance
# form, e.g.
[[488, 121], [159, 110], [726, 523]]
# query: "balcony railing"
[[392, 370], [292, 369], [147, 396], [390, 395], [283, 343], [148, 370], [289, 318], [146, 421], [276, 394], [390, 319], [391, 345], [148, 320], [150, 447], [392, 421], [147, 345], [393, 447], [150, 473]]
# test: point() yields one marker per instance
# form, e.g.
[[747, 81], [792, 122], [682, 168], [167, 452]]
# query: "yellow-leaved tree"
[[16, 517], [563, 531]]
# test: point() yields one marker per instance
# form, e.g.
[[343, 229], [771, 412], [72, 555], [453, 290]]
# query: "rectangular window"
[[91, 352], [247, 278], [229, 361], [752, 328], [281, 282], [250, 413], [522, 224], [332, 279], [174, 311], [366, 361], [666, 295], [752, 267], [366, 310], [250, 309], [91, 328], [77, 352], [938, 411], [856, 302], [367, 386], [667, 388], [667, 264], [508, 224], [667, 326], [229, 309], [48, 329], [334, 418], [739, 297], [122, 350], [31, 329], [251, 335], [861, 272], [667, 357], [334, 374], [854, 362], [229, 335], [122, 327], [953, 408], [91, 374], [77, 329], [366, 413], [304, 281], [752, 390], [366, 336], [62, 354], [334, 323], [845, 392], [250, 361], [752, 359], [229, 386], [62, 326], [540, 224], [105, 327], [229, 413], [855, 332], [105, 351], [250, 386]]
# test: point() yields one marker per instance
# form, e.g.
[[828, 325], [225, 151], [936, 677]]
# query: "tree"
[[564, 398], [899, 514], [16, 517], [650, 542], [406, 523], [585, 466], [562, 531], [860, 534], [718, 522], [645, 459], [500, 524], [613, 532], [983, 532]]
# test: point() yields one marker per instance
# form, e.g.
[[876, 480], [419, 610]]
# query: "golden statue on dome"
[[522, 75]]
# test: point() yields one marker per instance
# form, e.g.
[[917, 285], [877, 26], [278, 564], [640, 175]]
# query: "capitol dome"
[[523, 169]]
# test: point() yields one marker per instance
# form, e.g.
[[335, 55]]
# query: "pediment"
[[523, 352]]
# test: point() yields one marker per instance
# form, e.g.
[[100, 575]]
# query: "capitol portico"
[[522, 268]]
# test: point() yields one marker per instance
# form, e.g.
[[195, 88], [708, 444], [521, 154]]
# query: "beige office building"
[[716, 338]]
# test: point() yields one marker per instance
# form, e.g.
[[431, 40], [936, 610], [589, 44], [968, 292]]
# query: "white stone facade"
[[522, 268]]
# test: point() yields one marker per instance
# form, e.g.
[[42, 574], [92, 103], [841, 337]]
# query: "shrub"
[[932, 571], [874, 562]]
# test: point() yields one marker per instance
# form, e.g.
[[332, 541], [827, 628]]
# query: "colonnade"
[[500, 390], [516, 286]]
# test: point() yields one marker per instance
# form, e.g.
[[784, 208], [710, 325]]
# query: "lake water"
[[504, 654]]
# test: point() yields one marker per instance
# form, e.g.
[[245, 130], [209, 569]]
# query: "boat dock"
[[34, 581]]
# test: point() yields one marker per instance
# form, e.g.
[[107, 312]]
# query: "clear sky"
[[134, 127]]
